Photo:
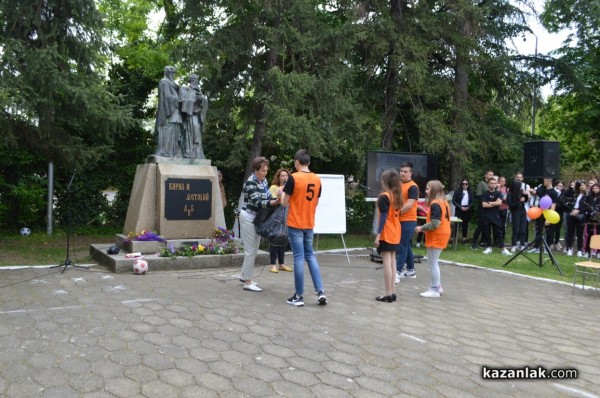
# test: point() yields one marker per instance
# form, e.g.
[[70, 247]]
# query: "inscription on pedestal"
[[188, 199]]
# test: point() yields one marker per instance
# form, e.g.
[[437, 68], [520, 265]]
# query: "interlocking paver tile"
[[172, 334]]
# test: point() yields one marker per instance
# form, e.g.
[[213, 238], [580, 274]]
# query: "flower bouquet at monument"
[[145, 236], [221, 242], [222, 235]]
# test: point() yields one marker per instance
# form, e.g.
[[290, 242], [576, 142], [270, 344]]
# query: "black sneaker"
[[473, 247], [297, 301], [321, 298]]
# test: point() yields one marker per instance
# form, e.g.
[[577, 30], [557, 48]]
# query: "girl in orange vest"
[[387, 240], [437, 233]]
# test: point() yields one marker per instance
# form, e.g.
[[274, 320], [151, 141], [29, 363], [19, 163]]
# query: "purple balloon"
[[545, 202]]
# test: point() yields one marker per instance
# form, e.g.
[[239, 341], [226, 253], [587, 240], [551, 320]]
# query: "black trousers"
[[465, 216], [277, 253]]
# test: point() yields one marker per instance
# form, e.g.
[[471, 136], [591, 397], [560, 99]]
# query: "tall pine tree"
[[54, 98], [55, 102]]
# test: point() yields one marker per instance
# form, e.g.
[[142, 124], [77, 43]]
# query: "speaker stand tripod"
[[68, 262], [541, 243]]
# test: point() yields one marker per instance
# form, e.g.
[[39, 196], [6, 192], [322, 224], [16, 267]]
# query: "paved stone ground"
[[198, 334]]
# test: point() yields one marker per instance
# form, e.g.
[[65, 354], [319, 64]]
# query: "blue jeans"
[[405, 253], [301, 241]]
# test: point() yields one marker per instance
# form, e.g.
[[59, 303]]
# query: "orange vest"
[[410, 215], [304, 200], [438, 238], [391, 230]]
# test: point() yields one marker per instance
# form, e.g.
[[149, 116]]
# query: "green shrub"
[[28, 199], [359, 212]]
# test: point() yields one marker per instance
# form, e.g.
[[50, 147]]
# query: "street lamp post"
[[533, 107]]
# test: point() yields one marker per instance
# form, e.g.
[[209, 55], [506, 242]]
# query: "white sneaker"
[[431, 293], [579, 254], [505, 252], [569, 252], [558, 246], [418, 244], [252, 287], [397, 277], [514, 249], [440, 289], [487, 251]]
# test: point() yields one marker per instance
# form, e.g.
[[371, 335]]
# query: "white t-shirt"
[[465, 199]]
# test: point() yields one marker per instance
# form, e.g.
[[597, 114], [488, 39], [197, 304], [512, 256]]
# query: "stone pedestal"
[[177, 198], [118, 263]]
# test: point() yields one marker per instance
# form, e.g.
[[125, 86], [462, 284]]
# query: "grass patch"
[[42, 249], [525, 264], [331, 242]]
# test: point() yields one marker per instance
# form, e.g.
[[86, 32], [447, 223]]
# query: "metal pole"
[[533, 102], [50, 197]]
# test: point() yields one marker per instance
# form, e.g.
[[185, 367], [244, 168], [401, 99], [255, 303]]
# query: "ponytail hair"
[[392, 184]]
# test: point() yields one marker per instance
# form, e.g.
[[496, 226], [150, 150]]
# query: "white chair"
[[589, 267]]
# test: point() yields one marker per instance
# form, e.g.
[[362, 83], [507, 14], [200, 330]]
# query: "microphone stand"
[[366, 188], [68, 259]]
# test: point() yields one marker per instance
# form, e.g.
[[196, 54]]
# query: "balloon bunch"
[[550, 215]]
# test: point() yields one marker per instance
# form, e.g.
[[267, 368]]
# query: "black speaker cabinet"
[[541, 159]]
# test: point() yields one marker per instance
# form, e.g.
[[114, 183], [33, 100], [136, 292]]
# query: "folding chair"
[[589, 267]]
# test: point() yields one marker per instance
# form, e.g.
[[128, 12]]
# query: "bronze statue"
[[168, 117], [194, 105]]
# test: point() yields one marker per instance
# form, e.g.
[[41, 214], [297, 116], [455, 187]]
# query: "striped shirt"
[[256, 195]]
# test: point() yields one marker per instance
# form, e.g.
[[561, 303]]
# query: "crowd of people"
[[577, 204]]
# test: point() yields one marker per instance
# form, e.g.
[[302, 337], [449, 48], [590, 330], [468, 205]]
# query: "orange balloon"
[[534, 213]]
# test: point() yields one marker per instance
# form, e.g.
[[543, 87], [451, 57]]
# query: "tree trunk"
[[461, 91], [391, 81], [260, 126], [257, 139]]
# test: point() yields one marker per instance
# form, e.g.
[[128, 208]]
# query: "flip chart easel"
[[330, 217]]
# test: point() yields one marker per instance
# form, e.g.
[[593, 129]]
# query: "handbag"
[[263, 214], [274, 228]]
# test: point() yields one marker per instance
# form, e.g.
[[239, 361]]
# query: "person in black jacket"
[[561, 207], [576, 219], [463, 205], [490, 216], [592, 212], [516, 200]]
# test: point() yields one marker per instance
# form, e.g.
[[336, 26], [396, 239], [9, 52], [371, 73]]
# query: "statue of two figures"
[[180, 117]]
